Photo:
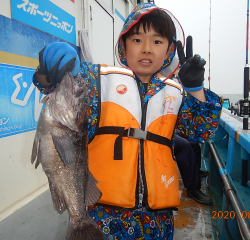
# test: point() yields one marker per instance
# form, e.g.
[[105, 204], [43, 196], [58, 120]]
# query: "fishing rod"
[[241, 108], [245, 105], [245, 102], [209, 77]]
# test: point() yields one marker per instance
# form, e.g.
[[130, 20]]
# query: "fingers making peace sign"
[[192, 69]]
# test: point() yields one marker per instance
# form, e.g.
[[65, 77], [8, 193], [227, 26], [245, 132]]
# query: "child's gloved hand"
[[56, 59], [192, 69]]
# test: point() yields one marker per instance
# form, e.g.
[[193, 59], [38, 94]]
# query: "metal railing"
[[243, 223]]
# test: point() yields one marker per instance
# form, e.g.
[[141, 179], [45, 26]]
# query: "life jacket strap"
[[131, 133]]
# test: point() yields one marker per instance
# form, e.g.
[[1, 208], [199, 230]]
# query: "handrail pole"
[[231, 195]]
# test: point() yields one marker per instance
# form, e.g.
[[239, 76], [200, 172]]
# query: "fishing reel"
[[240, 108], [244, 108]]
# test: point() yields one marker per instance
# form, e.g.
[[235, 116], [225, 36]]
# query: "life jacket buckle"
[[137, 133]]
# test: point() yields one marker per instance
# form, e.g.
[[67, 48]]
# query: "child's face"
[[146, 52]]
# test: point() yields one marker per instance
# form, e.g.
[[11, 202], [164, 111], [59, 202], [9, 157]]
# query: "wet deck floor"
[[193, 220], [39, 221]]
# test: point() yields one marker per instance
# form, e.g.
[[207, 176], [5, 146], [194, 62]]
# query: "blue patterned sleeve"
[[90, 72], [199, 120]]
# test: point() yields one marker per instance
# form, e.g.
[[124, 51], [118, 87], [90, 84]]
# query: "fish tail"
[[89, 231]]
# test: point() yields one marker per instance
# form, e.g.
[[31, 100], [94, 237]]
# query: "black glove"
[[192, 69], [58, 58]]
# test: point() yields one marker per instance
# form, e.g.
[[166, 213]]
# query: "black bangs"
[[158, 20]]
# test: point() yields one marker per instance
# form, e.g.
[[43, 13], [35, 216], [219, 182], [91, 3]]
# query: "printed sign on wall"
[[19, 100], [46, 16]]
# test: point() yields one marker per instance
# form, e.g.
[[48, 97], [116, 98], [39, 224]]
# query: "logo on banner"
[[46, 16], [19, 100], [38, 105]]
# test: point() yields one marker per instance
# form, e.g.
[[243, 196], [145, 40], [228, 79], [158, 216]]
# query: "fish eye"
[[77, 80]]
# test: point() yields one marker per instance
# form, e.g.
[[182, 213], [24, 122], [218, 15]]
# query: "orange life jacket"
[[132, 146]]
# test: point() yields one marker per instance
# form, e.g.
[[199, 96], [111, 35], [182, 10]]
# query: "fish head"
[[67, 103], [75, 91]]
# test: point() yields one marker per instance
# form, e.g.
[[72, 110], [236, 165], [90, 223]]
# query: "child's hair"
[[158, 20]]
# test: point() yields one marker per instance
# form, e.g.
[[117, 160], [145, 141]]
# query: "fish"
[[61, 147]]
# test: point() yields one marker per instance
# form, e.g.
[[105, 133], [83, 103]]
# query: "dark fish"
[[61, 146]]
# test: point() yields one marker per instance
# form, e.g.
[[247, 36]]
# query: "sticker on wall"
[[46, 16], [19, 100]]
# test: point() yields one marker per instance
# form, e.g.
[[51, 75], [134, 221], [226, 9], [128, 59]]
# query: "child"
[[132, 119]]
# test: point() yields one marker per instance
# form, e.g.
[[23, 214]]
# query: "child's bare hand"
[[192, 69]]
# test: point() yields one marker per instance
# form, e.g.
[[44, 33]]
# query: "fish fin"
[[36, 153], [89, 231], [93, 192], [45, 99], [34, 150], [57, 199], [37, 163], [65, 149]]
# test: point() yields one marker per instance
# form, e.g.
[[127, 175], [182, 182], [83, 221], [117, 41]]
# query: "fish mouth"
[[68, 80], [74, 85]]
